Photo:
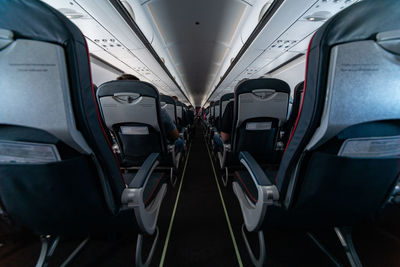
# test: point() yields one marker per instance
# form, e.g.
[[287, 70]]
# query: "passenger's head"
[[175, 98], [211, 103], [127, 77]]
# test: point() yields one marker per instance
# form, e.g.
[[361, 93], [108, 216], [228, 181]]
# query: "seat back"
[[54, 152], [212, 113], [169, 105], [132, 112], [181, 115], [207, 113], [297, 97], [342, 161], [225, 99], [260, 109], [216, 113]]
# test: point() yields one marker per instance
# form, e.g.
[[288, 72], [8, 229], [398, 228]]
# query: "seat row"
[[333, 163], [75, 161], [132, 112]]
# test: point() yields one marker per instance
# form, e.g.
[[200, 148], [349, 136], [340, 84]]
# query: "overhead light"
[[319, 16], [70, 13]]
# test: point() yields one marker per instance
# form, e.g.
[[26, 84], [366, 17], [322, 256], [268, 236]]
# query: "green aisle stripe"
[[225, 211], [173, 212]]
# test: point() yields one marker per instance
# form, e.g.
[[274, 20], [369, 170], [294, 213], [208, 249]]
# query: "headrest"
[[167, 99], [360, 21], [36, 20], [299, 88], [248, 86], [136, 87], [227, 97]]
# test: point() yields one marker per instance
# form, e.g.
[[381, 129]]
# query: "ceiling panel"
[[285, 36], [111, 39], [197, 35]]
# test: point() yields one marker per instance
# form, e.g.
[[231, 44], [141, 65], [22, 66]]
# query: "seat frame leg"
[[75, 252], [49, 244], [346, 240], [262, 255], [138, 259], [324, 250], [173, 178], [225, 177]]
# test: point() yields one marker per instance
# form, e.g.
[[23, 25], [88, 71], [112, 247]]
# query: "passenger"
[[226, 128], [181, 121], [167, 123], [191, 120]]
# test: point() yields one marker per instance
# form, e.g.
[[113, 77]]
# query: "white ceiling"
[[197, 50], [110, 38], [197, 39], [285, 36], [199, 36]]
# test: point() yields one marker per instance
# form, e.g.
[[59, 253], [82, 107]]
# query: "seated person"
[[167, 123], [226, 127]]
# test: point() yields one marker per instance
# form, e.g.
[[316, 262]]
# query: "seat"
[[210, 121], [221, 106], [182, 121], [132, 113], [341, 163], [168, 103], [298, 95], [225, 99], [214, 121], [216, 114], [58, 173], [260, 110]]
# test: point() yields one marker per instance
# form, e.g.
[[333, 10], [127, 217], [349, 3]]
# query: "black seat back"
[[260, 109], [225, 99], [297, 97], [169, 105], [131, 110], [342, 160], [216, 113], [57, 170]]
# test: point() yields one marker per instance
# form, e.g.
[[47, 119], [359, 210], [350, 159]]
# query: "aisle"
[[200, 235]]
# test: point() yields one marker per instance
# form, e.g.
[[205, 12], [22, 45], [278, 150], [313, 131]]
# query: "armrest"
[[132, 196], [226, 151], [268, 194], [254, 169], [145, 171], [267, 190]]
